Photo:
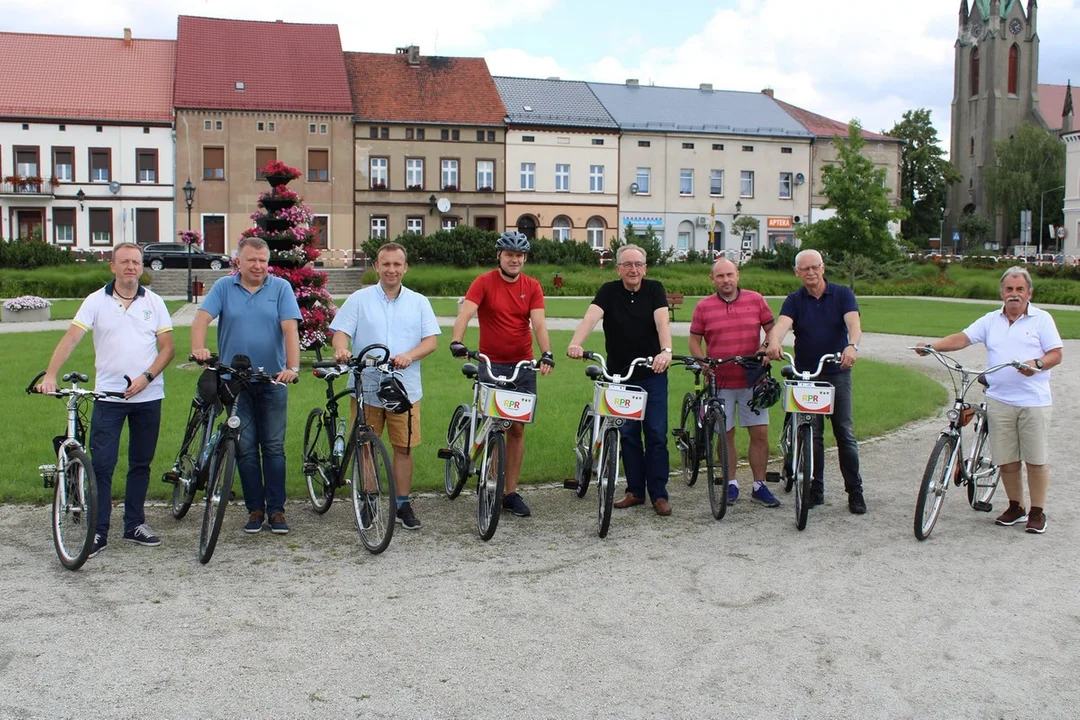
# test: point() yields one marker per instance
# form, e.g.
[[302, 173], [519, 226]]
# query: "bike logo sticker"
[[508, 405], [816, 398], [629, 404]]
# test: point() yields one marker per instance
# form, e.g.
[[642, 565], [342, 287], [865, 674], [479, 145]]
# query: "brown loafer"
[[663, 507], [629, 501]]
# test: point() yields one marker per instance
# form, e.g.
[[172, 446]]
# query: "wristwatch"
[[854, 346], [667, 350], [295, 369], [1039, 364], [149, 376]]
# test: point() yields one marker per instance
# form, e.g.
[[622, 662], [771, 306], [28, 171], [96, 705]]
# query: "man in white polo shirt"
[[393, 315], [133, 337], [1017, 403]]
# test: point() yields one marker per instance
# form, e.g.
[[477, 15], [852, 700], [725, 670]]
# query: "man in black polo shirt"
[[635, 314], [825, 317]]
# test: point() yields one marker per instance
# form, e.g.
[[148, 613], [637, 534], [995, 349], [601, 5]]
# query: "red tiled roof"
[[439, 89], [288, 67], [822, 126], [86, 78], [1052, 102]]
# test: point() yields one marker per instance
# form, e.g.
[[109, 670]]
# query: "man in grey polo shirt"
[[1017, 403], [258, 318]]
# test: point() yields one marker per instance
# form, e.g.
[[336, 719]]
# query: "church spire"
[[1068, 109]]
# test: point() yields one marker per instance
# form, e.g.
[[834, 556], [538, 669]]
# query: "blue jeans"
[[646, 467], [844, 431], [107, 421], [263, 412]]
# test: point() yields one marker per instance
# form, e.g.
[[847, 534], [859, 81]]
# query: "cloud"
[[518, 63]]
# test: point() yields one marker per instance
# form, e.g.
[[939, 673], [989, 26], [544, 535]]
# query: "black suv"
[[175, 255]]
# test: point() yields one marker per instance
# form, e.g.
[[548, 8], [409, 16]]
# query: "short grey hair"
[[623, 249], [121, 246], [804, 253], [252, 241], [1016, 270]]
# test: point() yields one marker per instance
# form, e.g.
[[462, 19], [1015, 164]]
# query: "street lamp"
[[738, 209], [189, 200], [1042, 200]]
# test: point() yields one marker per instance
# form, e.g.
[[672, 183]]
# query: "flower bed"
[[28, 308]]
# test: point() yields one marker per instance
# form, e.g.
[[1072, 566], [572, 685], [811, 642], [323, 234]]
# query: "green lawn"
[[899, 395]]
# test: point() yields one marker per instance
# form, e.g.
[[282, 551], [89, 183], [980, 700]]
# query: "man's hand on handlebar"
[[458, 349], [201, 354], [547, 363]]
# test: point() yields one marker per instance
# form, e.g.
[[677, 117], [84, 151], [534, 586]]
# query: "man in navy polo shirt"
[[258, 318], [825, 317]]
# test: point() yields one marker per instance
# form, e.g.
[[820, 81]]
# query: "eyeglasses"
[[809, 268], [635, 264]]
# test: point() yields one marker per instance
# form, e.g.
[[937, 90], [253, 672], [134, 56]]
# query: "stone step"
[[341, 281]]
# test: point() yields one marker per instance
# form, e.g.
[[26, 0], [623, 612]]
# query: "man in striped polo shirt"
[[731, 323]]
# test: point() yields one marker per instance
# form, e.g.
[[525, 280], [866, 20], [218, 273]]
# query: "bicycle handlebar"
[[806, 374], [694, 363], [953, 365], [73, 377], [366, 358], [481, 357], [599, 360], [249, 374]]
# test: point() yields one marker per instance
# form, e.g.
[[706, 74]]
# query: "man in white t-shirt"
[[1017, 403], [132, 337]]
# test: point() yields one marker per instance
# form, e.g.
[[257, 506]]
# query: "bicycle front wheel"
[[605, 481], [317, 459], [373, 493], [457, 464], [803, 454], [689, 451], [218, 487], [940, 470], [75, 510], [984, 475], [583, 452], [489, 490], [716, 437]]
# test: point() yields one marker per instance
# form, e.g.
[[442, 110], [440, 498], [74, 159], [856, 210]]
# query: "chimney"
[[632, 82], [412, 53], [127, 36], [767, 91], [705, 87]]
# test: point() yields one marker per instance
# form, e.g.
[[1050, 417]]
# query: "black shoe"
[[407, 517], [817, 495], [855, 502]]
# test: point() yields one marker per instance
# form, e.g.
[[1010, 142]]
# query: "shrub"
[[28, 254]]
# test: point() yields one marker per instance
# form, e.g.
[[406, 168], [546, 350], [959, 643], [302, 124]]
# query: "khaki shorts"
[[1018, 433], [397, 423]]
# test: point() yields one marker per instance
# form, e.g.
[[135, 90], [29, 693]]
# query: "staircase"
[[173, 282]]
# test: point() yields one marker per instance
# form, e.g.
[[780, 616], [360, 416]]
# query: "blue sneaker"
[[255, 522], [732, 493], [278, 525], [516, 505], [766, 498], [100, 542], [142, 535]]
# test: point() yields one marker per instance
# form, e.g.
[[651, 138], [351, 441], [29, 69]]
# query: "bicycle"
[[702, 422], [189, 472], [598, 443], [329, 452], [75, 503], [476, 438], [804, 397], [947, 461]]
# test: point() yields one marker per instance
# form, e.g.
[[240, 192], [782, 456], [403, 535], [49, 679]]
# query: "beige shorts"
[[397, 424], [1018, 433]]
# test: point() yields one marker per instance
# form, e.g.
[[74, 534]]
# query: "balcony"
[[22, 187]]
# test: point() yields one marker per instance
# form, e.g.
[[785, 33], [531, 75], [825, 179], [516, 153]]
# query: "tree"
[[856, 190], [654, 253], [974, 229], [1029, 163], [747, 223], [925, 174]]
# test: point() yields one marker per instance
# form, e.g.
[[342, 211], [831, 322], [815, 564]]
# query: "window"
[[643, 177], [63, 128], [562, 178], [455, 134], [746, 183], [449, 223], [260, 126], [414, 225], [218, 125], [373, 133], [147, 228], [98, 129], [688, 146], [560, 229], [644, 143], [270, 127], [718, 146], [491, 135], [378, 228], [318, 165], [479, 136], [64, 164], [716, 182], [64, 226], [971, 146], [100, 164], [596, 178], [379, 173], [146, 129], [414, 173], [323, 128], [785, 151], [384, 133], [598, 141], [321, 225], [206, 125], [528, 176], [409, 133], [748, 148], [975, 70], [595, 229], [419, 133], [26, 162], [101, 226], [449, 176], [1014, 68], [444, 134], [311, 128], [528, 138], [263, 157], [146, 163], [686, 181], [485, 175], [213, 163], [684, 239], [785, 185]]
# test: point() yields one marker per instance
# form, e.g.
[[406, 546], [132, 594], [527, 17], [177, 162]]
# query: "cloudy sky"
[[866, 59]]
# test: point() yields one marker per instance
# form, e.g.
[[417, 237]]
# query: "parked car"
[[175, 255]]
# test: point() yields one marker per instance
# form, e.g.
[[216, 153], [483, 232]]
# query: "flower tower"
[[284, 222]]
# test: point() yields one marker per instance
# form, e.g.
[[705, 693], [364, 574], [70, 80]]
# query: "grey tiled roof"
[[552, 102], [665, 109]]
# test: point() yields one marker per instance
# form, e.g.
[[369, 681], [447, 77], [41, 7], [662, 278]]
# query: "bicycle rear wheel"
[[984, 475], [218, 487], [75, 510], [373, 493], [316, 461], [583, 452], [787, 470], [185, 484], [605, 481], [489, 489], [717, 459], [457, 465], [804, 475], [689, 451], [940, 471]]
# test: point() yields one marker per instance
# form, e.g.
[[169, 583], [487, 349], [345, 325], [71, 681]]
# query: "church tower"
[[995, 88]]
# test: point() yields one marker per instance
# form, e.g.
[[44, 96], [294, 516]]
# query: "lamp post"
[[1042, 200], [189, 200]]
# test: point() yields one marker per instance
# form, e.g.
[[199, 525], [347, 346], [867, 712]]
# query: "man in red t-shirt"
[[507, 303], [731, 323]]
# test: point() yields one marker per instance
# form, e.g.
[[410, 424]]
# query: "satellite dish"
[[443, 205], [114, 187], [800, 178]]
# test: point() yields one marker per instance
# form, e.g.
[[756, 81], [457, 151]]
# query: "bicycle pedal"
[[773, 477], [982, 506], [678, 433], [171, 477], [445, 454], [570, 484]]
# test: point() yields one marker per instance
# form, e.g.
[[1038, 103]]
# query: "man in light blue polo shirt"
[[393, 315], [259, 318]]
